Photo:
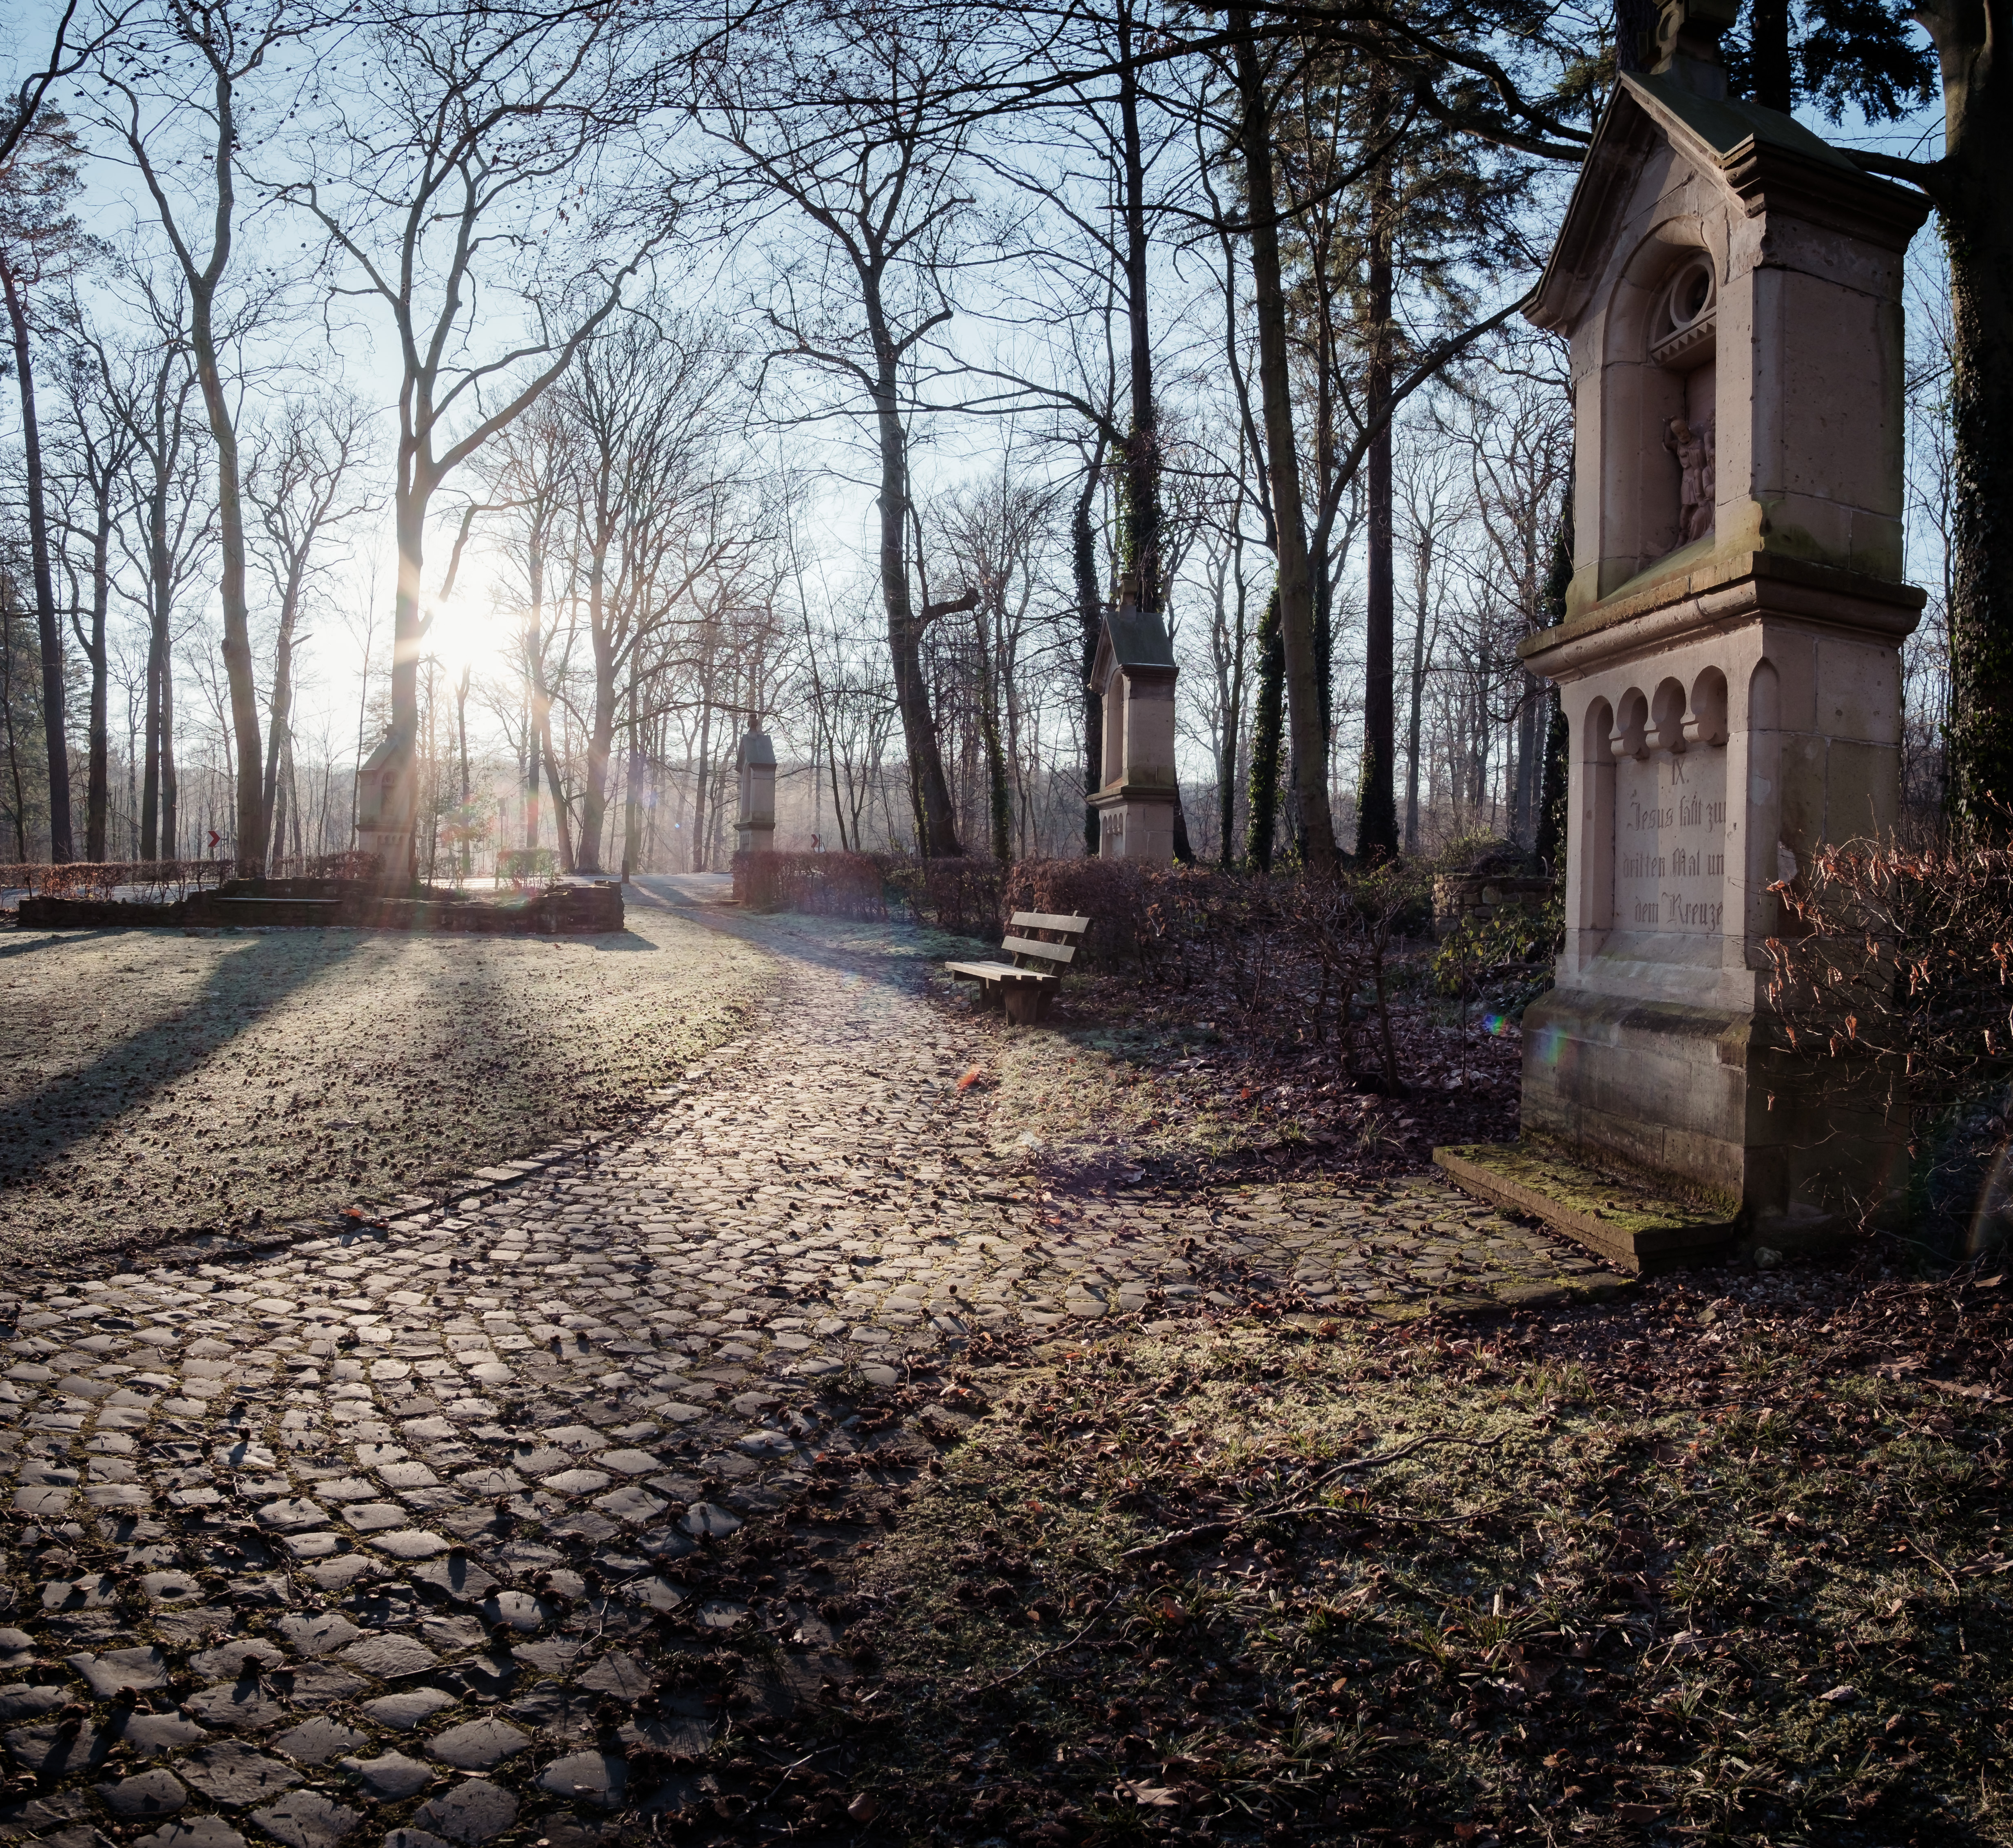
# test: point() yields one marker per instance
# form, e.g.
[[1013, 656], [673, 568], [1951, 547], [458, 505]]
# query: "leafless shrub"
[[1893, 961], [827, 884], [158, 881]]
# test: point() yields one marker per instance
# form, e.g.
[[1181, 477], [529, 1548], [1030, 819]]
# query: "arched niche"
[[1768, 857], [1666, 730], [1591, 894], [1628, 739], [1659, 409], [1705, 723]]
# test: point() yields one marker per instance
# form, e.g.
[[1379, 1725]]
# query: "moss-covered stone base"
[[1637, 1230]]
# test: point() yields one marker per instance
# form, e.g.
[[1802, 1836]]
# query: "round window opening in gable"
[[1686, 309]]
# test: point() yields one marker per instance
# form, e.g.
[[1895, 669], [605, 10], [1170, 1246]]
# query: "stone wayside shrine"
[[755, 767], [1729, 662], [1134, 675]]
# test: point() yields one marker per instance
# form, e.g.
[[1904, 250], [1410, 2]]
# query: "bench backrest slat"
[[1048, 953], [1044, 920]]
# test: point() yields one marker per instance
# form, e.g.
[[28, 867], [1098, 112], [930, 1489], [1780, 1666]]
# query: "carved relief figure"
[[1691, 445]]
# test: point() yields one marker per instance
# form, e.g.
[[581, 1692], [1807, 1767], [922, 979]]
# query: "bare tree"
[[185, 119], [652, 502], [301, 484], [96, 445], [992, 533], [39, 243], [850, 122], [449, 178], [150, 384], [1431, 502]]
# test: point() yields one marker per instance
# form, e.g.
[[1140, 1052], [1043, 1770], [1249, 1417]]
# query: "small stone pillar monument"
[[1729, 662], [1134, 675], [755, 765]]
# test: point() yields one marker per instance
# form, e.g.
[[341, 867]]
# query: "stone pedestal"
[[755, 768], [1134, 675], [1729, 663], [1762, 720]]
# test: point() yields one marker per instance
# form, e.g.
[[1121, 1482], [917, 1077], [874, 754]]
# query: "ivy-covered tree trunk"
[[1295, 589], [1139, 479], [1969, 189], [1090, 621], [1377, 803], [1551, 842], [1268, 736], [999, 786], [1973, 188]]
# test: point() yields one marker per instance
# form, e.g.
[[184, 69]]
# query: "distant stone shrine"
[[1729, 660], [755, 766], [1134, 675], [384, 807]]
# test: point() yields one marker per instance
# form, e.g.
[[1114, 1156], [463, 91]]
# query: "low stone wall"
[[562, 910], [1477, 897]]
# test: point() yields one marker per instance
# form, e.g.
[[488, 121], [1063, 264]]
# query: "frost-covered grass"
[[162, 1081]]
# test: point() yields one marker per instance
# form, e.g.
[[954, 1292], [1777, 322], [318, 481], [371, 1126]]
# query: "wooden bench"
[[1042, 945]]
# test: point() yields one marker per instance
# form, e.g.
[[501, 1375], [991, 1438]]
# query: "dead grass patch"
[[1728, 1567]]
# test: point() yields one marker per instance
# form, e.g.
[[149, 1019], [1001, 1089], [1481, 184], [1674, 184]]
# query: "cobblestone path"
[[401, 1532]]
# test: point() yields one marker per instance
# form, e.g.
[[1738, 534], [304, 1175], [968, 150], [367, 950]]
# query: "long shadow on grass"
[[68, 939], [619, 940], [241, 990]]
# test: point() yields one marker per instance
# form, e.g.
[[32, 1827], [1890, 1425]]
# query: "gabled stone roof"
[[1132, 638], [1764, 157]]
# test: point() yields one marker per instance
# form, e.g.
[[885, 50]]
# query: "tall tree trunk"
[[929, 792], [1295, 583], [999, 788], [1090, 624], [281, 718], [171, 784], [1139, 497], [1523, 786], [412, 491], [632, 797], [698, 788], [1412, 740], [601, 730], [240, 682], [14, 776], [1635, 26], [1377, 807], [1970, 188], [1261, 819], [1768, 55], [461, 738], [537, 701], [156, 804], [275, 820], [204, 280], [150, 784], [98, 782], [61, 845], [1233, 726], [531, 761]]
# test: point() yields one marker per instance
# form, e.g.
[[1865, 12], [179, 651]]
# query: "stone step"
[[1628, 1225]]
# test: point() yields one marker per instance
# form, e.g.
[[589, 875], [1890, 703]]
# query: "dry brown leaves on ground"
[[1726, 1567]]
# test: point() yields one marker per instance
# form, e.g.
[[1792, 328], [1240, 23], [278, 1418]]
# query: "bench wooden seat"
[[1042, 945]]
